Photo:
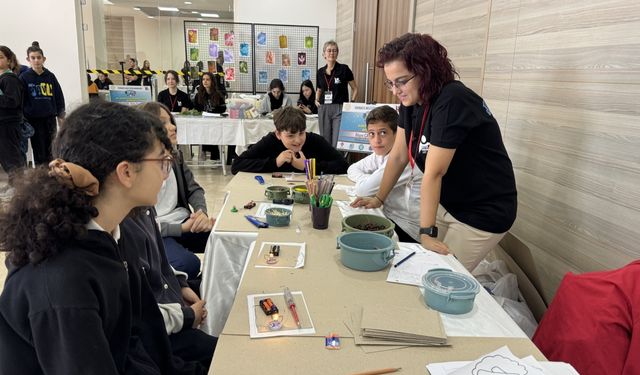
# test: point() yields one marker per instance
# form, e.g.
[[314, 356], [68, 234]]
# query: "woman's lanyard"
[[173, 102], [412, 158], [330, 80]]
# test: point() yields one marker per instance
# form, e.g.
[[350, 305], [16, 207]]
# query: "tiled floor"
[[211, 179]]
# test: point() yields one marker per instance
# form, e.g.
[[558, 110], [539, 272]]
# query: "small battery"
[[268, 306]]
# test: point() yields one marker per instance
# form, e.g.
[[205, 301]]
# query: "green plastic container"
[[350, 223], [365, 251]]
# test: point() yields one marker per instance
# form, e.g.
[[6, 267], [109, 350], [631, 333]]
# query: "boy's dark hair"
[[44, 214], [384, 114], [290, 119]]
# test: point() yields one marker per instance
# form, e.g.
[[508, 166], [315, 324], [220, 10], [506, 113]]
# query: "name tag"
[[328, 97]]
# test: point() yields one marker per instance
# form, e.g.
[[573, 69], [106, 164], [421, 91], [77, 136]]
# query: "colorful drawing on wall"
[[283, 41], [212, 66], [268, 59], [228, 56], [261, 39], [243, 67], [229, 38], [213, 34], [263, 77], [230, 74], [286, 61], [244, 49], [308, 42], [213, 50], [192, 35], [305, 74], [302, 58], [194, 54], [283, 74]]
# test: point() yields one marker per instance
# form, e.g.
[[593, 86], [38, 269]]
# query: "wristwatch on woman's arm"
[[431, 231]]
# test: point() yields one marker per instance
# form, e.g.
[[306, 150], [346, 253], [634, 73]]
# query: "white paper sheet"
[[299, 259], [501, 362], [350, 190], [262, 207], [299, 298], [411, 271]]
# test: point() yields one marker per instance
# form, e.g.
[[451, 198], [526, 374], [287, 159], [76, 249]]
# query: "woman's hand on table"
[[366, 202], [434, 245]]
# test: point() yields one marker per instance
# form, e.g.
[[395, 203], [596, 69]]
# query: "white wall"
[[291, 12], [56, 25]]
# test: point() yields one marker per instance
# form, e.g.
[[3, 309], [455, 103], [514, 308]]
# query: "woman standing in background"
[[43, 103], [332, 92], [11, 91]]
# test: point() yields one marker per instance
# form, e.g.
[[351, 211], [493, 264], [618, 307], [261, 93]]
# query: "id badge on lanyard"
[[328, 97]]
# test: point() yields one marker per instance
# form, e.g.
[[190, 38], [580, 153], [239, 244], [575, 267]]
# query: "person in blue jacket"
[[43, 103]]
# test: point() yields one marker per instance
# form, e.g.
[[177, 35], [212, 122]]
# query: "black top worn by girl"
[[176, 102], [309, 103], [86, 310], [479, 187], [209, 103], [11, 91], [337, 82]]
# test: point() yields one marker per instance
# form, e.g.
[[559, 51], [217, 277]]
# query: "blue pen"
[[256, 222], [260, 180], [404, 259]]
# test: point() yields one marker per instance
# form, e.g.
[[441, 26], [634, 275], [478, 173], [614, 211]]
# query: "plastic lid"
[[449, 283]]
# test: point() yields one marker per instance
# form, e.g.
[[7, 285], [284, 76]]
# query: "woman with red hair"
[[468, 193]]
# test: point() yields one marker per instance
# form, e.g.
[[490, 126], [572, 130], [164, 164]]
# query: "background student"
[[331, 92], [43, 103], [275, 98], [286, 149], [307, 98], [402, 204], [172, 97], [209, 98], [132, 79], [73, 289], [11, 92], [103, 81], [468, 199], [184, 232]]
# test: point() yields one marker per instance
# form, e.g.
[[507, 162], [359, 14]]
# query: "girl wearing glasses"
[[468, 194], [332, 90], [75, 300]]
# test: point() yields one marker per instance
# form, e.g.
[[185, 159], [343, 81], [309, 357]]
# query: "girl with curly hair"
[[468, 193], [74, 300]]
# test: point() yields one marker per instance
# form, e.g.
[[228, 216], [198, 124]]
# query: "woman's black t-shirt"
[[337, 82], [479, 187], [175, 102]]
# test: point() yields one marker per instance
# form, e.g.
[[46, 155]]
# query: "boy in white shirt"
[[402, 206]]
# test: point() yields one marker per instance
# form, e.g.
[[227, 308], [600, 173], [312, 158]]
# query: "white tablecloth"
[[197, 130]]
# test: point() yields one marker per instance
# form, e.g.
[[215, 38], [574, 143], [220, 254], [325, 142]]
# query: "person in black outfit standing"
[[468, 196], [175, 99], [11, 91], [332, 91], [43, 104]]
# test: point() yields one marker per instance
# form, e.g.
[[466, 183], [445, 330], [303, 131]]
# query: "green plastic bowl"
[[350, 223], [365, 251], [278, 217]]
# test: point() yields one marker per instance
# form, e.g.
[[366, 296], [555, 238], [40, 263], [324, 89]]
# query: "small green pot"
[[300, 194], [351, 224], [278, 217], [276, 192]]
